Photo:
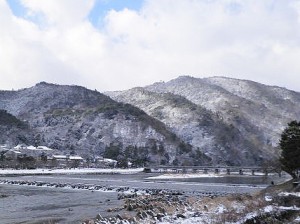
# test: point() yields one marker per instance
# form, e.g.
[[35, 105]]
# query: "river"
[[32, 204]]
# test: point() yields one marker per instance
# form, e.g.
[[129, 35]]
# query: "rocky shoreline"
[[140, 204], [235, 209], [165, 207], [149, 208], [123, 190], [170, 206]]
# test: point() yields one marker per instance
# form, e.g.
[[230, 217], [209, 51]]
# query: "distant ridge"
[[252, 114], [186, 121], [73, 119]]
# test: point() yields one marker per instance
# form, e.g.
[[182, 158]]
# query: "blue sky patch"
[[17, 8], [101, 8], [96, 15]]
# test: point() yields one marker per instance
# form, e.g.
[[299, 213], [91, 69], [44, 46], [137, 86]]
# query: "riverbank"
[[49, 205], [131, 197], [268, 206], [5, 172]]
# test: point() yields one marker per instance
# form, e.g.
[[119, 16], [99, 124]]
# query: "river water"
[[31, 204]]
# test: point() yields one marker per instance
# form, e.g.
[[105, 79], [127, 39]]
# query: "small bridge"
[[212, 169]]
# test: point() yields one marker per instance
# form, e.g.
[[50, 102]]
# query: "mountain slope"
[[186, 121], [195, 125], [255, 113], [13, 131], [77, 120], [267, 117]]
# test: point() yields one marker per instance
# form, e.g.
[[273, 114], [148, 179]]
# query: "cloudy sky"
[[119, 44]]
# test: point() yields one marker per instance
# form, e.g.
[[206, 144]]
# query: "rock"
[[133, 220], [144, 214], [197, 214], [159, 216], [180, 216], [151, 213], [139, 215], [102, 222], [99, 217], [119, 217], [130, 207]]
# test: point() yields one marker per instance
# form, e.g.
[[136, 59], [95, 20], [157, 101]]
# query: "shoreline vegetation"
[[274, 204]]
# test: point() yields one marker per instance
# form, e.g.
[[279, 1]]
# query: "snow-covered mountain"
[[75, 119], [246, 117], [187, 121], [196, 125]]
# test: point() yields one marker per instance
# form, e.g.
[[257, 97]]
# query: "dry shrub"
[[238, 206]]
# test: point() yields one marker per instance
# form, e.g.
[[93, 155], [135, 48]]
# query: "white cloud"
[[59, 12], [250, 39]]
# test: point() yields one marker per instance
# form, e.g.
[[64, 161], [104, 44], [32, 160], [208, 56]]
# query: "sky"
[[119, 44]]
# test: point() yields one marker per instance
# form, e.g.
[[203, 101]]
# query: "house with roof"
[[64, 161]]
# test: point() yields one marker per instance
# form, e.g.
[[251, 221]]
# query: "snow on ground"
[[69, 171], [268, 208], [296, 194], [295, 208], [198, 175], [268, 198], [206, 217], [192, 220], [184, 176]]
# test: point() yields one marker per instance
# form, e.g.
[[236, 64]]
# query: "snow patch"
[[183, 176], [268, 208], [69, 171], [295, 208], [221, 209], [297, 194]]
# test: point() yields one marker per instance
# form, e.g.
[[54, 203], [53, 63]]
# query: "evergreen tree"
[[290, 146]]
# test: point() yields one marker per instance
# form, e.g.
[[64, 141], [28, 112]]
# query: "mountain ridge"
[[186, 121], [73, 119], [259, 116]]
